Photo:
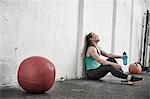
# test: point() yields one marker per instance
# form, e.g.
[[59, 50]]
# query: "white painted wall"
[[38, 27], [147, 4], [98, 18], [138, 14], [123, 25], [129, 29], [8, 33]]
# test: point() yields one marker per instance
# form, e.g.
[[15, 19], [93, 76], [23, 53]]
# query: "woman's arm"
[[93, 53], [110, 55], [114, 56], [104, 53]]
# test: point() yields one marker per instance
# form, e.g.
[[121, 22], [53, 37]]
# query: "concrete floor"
[[107, 88]]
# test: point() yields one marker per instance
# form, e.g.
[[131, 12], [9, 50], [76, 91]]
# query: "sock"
[[129, 77]]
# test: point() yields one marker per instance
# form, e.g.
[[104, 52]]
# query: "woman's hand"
[[110, 56]]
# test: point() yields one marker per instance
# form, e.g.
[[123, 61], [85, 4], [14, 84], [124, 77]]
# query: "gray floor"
[[107, 88]]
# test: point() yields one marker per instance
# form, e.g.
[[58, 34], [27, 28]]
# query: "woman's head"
[[92, 38]]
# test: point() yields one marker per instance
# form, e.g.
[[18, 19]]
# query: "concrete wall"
[[122, 30], [137, 29], [8, 32], [147, 4], [98, 18], [129, 29], [38, 27], [56, 29]]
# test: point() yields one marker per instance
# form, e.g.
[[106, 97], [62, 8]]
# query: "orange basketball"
[[135, 68]]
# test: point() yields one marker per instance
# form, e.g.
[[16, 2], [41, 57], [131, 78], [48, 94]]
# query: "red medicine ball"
[[36, 74], [135, 68]]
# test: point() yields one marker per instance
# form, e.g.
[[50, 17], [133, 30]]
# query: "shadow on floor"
[[17, 93]]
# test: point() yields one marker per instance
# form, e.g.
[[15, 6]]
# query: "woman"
[[96, 67]]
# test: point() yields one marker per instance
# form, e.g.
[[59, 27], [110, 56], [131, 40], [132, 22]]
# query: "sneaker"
[[124, 80], [135, 79]]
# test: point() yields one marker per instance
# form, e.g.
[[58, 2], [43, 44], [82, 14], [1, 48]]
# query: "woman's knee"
[[110, 68]]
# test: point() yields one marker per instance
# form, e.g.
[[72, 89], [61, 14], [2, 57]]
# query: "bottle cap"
[[124, 53]]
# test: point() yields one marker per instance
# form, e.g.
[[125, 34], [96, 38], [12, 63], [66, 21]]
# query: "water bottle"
[[125, 57]]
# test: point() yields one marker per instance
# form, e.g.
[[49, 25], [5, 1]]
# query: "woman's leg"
[[115, 72], [96, 74], [103, 70], [114, 61]]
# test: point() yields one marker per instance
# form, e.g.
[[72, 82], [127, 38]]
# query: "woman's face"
[[95, 37]]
